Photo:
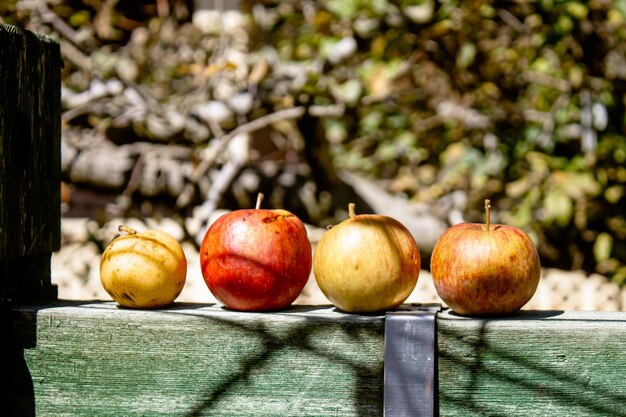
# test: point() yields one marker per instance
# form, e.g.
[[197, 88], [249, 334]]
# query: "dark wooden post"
[[30, 134]]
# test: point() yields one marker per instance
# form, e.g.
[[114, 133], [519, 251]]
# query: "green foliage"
[[520, 102]]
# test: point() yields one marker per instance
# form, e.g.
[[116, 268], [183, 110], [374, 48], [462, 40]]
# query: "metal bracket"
[[411, 388]]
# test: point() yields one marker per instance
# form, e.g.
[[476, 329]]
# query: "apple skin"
[[367, 263], [256, 259], [478, 272], [143, 269]]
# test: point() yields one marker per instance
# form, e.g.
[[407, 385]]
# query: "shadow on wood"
[[198, 360], [533, 364]]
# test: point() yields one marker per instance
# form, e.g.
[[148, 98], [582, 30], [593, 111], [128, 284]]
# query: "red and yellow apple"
[[485, 269], [367, 263], [143, 270], [256, 259]]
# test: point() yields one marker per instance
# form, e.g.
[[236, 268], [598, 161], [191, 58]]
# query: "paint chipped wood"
[[202, 360], [192, 360], [536, 363]]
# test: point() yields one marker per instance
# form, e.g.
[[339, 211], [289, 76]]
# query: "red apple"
[[256, 259], [367, 263], [485, 269]]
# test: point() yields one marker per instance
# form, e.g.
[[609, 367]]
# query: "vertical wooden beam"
[[30, 162]]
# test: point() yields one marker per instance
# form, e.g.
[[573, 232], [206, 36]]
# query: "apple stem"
[[487, 214], [351, 213], [259, 199], [126, 229]]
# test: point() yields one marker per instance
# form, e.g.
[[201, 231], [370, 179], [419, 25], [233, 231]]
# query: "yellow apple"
[[367, 263], [143, 270]]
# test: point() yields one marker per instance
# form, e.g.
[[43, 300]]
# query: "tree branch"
[[254, 125]]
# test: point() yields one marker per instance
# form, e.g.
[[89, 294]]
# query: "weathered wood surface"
[[550, 363], [30, 135], [193, 360], [201, 360]]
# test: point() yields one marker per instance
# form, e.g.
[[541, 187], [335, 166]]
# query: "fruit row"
[[260, 260]]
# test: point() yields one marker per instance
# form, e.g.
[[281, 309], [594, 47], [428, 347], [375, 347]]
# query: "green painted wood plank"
[[92, 359], [197, 360], [551, 363]]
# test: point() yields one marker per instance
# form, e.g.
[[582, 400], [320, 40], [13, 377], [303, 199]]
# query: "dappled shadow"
[[306, 361], [367, 376], [486, 367], [252, 360]]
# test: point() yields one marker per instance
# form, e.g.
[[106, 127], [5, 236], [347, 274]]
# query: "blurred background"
[[176, 111]]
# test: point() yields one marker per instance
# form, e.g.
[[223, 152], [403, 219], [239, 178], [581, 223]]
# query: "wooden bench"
[[61, 358], [94, 359]]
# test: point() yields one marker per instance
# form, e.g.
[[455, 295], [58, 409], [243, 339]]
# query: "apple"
[[485, 269], [256, 259], [143, 270], [366, 263]]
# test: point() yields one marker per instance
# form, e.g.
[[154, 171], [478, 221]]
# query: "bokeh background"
[[175, 111]]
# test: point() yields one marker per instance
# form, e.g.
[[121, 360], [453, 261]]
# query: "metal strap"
[[411, 388]]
